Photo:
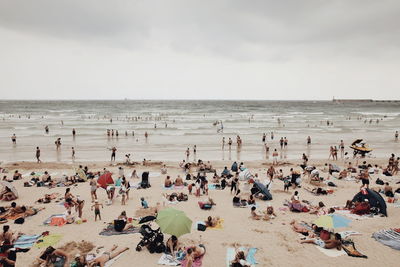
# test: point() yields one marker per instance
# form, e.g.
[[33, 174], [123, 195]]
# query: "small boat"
[[360, 148]]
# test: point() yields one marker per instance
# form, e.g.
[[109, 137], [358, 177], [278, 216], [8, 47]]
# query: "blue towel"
[[26, 241], [251, 256]]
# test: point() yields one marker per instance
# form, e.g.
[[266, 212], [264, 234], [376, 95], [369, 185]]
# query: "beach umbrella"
[[173, 222], [332, 221], [105, 180], [81, 173], [11, 186], [262, 189]]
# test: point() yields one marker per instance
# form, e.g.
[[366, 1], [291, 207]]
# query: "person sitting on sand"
[[269, 213], [178, 181], [7, 194], [17, 175], [56, 257], [172, 246], [212, 221], [239, 260], [343, 174], [106, 256], [327, 244], [7, 236], [295, 198], [320, 209], [388, 190], [192, 254], [251, 200], [168, 182], [254, 214]]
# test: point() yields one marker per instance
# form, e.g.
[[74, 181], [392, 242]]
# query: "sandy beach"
[[277, 243]]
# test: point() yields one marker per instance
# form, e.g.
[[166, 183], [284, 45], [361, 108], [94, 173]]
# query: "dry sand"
[[278, 245]]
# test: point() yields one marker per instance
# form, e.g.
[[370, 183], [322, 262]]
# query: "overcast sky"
[[199, 49]]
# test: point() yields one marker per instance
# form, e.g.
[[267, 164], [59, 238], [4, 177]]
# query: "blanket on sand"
[[389, 237], [109, 231]]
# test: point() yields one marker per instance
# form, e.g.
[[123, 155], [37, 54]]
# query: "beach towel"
[[348, 214], [346, 234], [26, 241], [331, 252], [49, 240], [218, 226], [250, 257], [174, 187], [212, 186], [389, 237], [112, 261], [350, 249], [109, 231], [48, 220], [166, 259]]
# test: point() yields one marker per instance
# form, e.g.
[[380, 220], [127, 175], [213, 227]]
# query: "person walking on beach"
[[281, 142], [73, 153], [113, 150], [309, 140], [272, 135], [230, 143], [285, 142], [341, 145], [14, 139], [46, 129], [194, 150], [38, 154], [73, 132], [396, 136], [275, 157], [223, 142], [146, 135], [263, 138]]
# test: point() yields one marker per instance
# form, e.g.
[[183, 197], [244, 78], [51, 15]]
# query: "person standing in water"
[[194, 150], [46, 129], [113, 150], [73, 132], [230, 143], [73, 153], [38, 154], [309, 140], [223, 142], [14, 139], [187, 152], [341, 145], [396, 136]]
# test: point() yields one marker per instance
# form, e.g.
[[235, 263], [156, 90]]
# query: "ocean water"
[[182, 124]]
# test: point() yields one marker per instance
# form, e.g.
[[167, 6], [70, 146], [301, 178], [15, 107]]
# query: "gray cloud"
[[279, 37]]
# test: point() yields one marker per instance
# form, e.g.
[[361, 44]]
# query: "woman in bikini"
[[107, 256]]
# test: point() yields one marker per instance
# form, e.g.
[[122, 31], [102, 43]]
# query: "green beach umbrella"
[[173, 222]]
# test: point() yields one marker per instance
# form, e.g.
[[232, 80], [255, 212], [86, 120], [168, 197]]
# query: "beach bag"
[[201, 227], [331, 184], [305, 209], [19, 221], [119, 225], [379, 181]]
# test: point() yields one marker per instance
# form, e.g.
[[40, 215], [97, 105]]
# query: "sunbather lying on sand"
[[106, 256], [328, 244], [302, 228]]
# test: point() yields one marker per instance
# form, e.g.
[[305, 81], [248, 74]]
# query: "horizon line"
[[192, 99]]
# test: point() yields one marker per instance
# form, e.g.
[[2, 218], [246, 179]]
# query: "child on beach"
[[96, 207], [143, 202], [286, 184]]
